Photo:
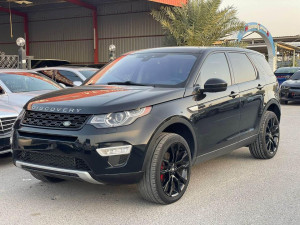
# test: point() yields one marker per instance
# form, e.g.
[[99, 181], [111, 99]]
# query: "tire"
[[267, 143], [167, 174], [46, 179]]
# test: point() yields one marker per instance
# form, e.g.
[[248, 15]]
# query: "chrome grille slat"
[[6, 125]]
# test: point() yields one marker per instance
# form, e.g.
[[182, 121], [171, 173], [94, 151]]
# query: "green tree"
[[198, 23]]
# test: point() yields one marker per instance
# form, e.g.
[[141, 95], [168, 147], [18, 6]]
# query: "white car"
[[68, 76], [17, 87]]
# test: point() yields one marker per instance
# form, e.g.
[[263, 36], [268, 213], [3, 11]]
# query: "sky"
[[280, 17]]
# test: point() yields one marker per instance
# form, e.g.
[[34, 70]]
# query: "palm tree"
[[198, 23]]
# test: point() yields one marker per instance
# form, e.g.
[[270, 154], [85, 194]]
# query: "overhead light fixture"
[[22, 2], [20, 42]]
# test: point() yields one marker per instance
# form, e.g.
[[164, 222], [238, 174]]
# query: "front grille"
[[54, 120], [6, 125], [58, 161]]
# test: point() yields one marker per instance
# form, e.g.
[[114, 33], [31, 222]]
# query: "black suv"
[[150, 115]]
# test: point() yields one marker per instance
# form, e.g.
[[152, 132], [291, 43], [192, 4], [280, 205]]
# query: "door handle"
[[259, 87], [233, 94]]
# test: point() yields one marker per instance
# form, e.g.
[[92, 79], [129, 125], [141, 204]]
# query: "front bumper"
[[290, 94], [72, 153], [5, 146]]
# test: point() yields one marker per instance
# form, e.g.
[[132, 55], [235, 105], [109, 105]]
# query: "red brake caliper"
[[161, 175]]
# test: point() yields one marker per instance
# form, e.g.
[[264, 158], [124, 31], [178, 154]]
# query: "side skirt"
[[225, 150]]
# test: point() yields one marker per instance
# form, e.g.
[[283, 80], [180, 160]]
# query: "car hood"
[[99, 99], [9, 111], [291, 83], [20, 99]]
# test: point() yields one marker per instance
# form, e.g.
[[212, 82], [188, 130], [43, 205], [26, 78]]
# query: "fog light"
[[118, 150]]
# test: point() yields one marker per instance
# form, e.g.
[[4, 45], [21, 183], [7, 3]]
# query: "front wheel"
[[267, 142], [168, 173]]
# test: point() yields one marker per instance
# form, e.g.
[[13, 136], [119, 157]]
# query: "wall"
[[67, 33]]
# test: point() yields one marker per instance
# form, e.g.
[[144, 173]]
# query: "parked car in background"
[[8, 115], [18, 87], [290, 89], [40, 63], [68, 76], [284, 73]]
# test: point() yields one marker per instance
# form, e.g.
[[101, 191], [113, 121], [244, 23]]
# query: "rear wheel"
[[267, 142], [46, 179], [168, 173]]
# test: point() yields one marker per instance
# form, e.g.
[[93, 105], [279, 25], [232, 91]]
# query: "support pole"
[[25, 20], [294, 57], [95, 25]]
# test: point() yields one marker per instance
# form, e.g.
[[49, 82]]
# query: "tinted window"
[[261, 64], [1, 91], [296, 76], [160, 69], [215, 66], [287, 70], [26, 82], [242, 68], [87, 73]]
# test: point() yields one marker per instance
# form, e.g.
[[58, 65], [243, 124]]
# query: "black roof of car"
[[193, 50]]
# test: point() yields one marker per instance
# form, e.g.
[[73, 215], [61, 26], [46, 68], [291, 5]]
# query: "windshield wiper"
[[128, 83]]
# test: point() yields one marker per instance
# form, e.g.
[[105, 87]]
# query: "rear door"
[[251, 89], [218, 115]]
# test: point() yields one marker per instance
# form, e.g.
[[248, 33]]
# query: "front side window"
[[243, 69], [157, 69], [215, 66], [26, 82]]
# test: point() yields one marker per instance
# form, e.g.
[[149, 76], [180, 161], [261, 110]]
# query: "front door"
[[218, 116]]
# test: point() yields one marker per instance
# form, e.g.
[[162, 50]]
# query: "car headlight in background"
[[119, 118], [284, 87]]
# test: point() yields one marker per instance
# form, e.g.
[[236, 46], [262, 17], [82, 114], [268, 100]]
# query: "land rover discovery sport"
[[150, 115]]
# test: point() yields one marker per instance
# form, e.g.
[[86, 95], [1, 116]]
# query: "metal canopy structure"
[[24, 8]]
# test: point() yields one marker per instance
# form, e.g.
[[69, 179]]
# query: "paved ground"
[[233, 189]]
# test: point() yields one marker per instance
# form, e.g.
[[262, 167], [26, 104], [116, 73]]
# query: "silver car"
[[68, 76], [16, 89]]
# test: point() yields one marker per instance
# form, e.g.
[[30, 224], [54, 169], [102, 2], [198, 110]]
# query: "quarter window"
[[242, 68], [215, 66]]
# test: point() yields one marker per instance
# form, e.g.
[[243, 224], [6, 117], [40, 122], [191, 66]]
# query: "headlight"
[[284, 87], [119, 118]]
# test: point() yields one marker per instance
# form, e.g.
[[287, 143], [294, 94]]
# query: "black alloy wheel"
[[266, 144], [272, 135], [175, 168], [167, 174]]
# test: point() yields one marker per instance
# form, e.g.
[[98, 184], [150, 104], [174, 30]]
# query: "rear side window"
[[243, 69], [215, 66], [261, 64]]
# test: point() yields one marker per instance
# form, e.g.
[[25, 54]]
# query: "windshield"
[[87, 73], [296, 76], [287, 70], [26, 82], [155, 69]]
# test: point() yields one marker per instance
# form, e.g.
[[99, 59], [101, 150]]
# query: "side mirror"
[[77, 83], [215, 85]]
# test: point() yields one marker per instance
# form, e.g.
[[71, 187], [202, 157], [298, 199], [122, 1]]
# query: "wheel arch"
[[178, 125], [273, 106]]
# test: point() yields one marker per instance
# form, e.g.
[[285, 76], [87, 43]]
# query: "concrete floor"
[[233, 189]]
